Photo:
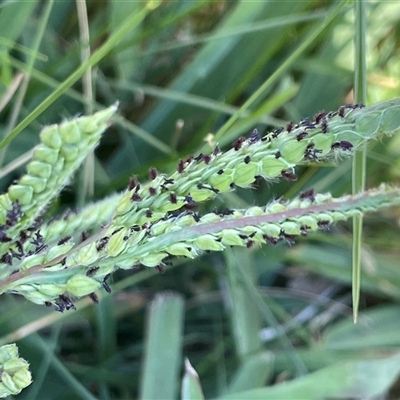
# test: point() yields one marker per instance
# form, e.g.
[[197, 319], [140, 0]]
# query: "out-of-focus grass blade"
[[240, 30], [163, 348], [245, 317], [380, 276], [283, 68], [377, 328], [352, 379], [252, 373], [191, 387]]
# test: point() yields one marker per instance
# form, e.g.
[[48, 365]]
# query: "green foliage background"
[[179, 74]]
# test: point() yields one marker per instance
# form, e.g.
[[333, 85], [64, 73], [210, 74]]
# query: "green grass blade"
[[359, 161], [191, 387], [163, 348]]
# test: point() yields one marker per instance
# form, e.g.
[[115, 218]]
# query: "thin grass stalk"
[[27, 77], [359, 160], [278, 73], [132, 21]]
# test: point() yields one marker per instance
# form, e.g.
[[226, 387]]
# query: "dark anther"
[[301, 136], [84, 236], [14, 214], [40, 248], [94, 298], [289, 175], [324, 125], [160, 268], [91, 271], [199, 157], [232, 185], [168, 181], [311, 152], [220, 172], [249, 244], [132, 182], [270, 239], [345, 145], [3, 237], [206, 158], [117, 230], [38, 240], [201, 186], [189, 200], [307, 124], [149, 213], [135, 197], [304, 230], [277, 132], [307, 194], [6, 259], [172, 198], [152, 173], [64, 240], [102, 243], [254, 137], [247, 159], [237, 144], [181, 166], [135, 228], [341, 111], [23, 236], [64, 303], [288, 238], [105, 284], [19, 247], [152, 191], [278, 154], [216, 150], [318, 117], [323, 225], [289, 127], [16, 255], [226, 211], [47, 304]]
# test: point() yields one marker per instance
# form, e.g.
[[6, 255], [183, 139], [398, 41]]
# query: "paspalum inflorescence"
[[54, 262], [48, 263]]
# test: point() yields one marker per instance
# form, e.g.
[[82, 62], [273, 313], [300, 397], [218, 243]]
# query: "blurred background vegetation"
[[247, 319]]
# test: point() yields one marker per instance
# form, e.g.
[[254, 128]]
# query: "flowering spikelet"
[[62, 150], [15, 374]]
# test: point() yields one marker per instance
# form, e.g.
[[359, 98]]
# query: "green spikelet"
[[15, 374], [54, 161]]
